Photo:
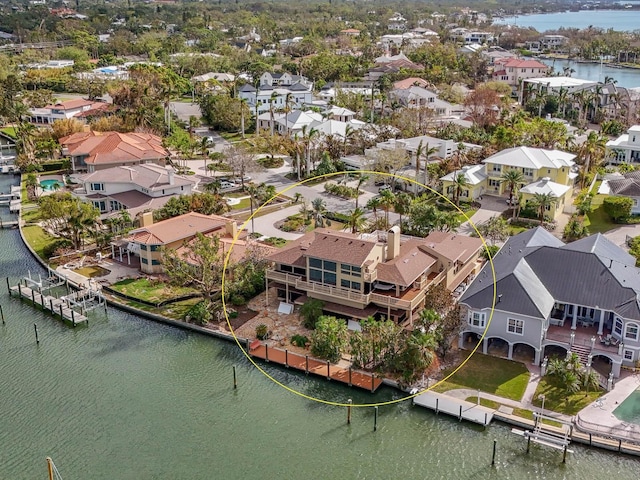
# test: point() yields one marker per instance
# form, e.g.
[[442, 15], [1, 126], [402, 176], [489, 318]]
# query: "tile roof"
[[71, 104], [519, 63], [147, 175], [410, 263], [527, 157], [628, 186], [339, 247], [177, 228], [452, 246], [114, 147]]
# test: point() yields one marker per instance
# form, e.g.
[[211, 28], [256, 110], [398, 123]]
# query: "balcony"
[[582, 336]]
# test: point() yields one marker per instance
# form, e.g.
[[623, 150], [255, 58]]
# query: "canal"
[[127, 398]]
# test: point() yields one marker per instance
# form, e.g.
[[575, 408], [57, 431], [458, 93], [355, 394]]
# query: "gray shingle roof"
[[534, 269]]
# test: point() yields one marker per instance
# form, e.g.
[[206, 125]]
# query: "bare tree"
[[241, 162]]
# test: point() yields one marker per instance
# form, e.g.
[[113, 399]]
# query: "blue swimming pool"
[[51, 184], [629, 409]]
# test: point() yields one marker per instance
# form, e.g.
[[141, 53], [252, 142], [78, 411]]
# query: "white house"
[[268, 97], [65, 110], [625, 148], [135, 188]]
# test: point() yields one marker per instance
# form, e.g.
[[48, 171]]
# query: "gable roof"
[[410, 263], [473, 174], [519, 63], [532, 271], [71, 104], [628, 186], [177, 228], [114, 147], [536, 158], [545, 186], [147, 175]]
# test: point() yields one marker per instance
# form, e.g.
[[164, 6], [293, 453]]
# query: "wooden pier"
[[351, 377], [60, 307], [461, 409], [8, 223]]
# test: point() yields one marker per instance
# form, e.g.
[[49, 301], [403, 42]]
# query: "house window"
[[155, 262], [155, 248], [617, 328], [315, 275], [144, 260], [631, 332], [315, 262], [496, 168], [527, 172], [628, 355], [143, 247], [97, 187], [494, 183], [515, 326], [477, 319], [330, 266]]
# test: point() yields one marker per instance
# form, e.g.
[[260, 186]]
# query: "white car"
[[226, 184]]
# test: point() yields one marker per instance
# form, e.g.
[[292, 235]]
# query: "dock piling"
[[460, 414], [2, 315], [8, 286], [235, 380], [564, 455], [373, 382], [35, 328], [328, 370], [528, 444], [493, 456], [349, 411], [350, 375], [266, 352], [375, 419], [437, 410], [286, 358], [306, 361]]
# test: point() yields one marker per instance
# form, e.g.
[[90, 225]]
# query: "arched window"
[[631, 331]]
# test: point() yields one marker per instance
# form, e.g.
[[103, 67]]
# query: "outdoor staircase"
[[582, 352]]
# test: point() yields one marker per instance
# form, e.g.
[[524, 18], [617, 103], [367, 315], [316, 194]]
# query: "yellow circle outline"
[[329, 402]]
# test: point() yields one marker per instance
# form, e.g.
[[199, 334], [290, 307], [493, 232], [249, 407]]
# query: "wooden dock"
[[323, 368], [60, 307], [8, 224], [461, 409]]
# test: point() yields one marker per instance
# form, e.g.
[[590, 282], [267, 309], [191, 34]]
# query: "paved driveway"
[[490, 207]]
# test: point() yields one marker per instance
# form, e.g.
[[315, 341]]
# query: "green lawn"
[[519, 412], [92, 271], [494, 375], [38, 239], [557, 401], [243, 205], [598, 221], [150, 291], [10, 131], [467, 214], [31, 215]]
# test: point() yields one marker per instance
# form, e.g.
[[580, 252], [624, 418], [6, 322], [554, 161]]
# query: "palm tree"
[[387, 199], [402, 205], [542, 201], [362, 178], [513, 179], [592, 152], [319, 213], [308, 135], [356, 220], [459, 184], [374, 204], [273, 98], [254, 191]]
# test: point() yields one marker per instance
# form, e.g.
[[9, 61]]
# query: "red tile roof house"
[[78, 108], [512, 70], [91, 151], [358, 276]]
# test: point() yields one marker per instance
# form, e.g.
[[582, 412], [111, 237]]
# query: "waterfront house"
[[514, 70], [554, 298], [79, 109], [144, 245], [625, 148], [383, 274], [92, 151], [134, 188]]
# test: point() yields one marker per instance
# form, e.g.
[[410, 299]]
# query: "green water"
[[127, 398], [629, 409]]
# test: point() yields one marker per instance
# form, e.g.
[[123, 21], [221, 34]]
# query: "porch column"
[[411, 316], [510, 354], [113, 253], [536, 360], [460, 340], [574, 317], [485, 345], [266, 291], [128, 257], [615, 368], [601, 324], [120, 253]]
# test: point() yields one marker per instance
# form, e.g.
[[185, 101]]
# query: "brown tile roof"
[[339, 247], [114, 147], [177, 228], [407, 266], [72, 104], [410, 82], [147, 175], [452, 246]]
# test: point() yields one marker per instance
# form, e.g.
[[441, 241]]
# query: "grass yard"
[[92, 271], [38, 239], [519, 412], [598, 221], [10, 131], [31, 215], [469, 213], [149, 290], [243, 205], [557, 401], [516, 230], [497, 376]]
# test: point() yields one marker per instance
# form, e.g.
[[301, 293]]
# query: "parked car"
[[239, 180], [384, 188], [224, 184]]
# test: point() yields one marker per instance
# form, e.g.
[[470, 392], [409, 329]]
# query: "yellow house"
[[148, 240], [534, 164], [475, 179], [560, 193]]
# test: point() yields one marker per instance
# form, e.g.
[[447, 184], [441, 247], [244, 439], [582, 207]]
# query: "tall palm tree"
[[459, 184], [402, 205], [356, 220], [513, 178], [272, 99], [387, 199], [308, 134], [591, 154], [542, 201], [374, 204], [362, 178]]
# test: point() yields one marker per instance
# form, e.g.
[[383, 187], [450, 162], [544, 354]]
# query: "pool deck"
[[598, 418]]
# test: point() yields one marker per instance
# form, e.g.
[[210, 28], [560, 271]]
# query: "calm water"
[[127, 398], [626, 77], [621, 20], [629, 409]]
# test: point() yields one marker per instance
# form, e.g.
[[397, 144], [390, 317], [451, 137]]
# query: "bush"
[[336, 216], [299, 341], [618, 208], [311, 310], [341, 190], [489, 252], [262, 332], [199, 313], [271, 162], [575, 229], [238, 300], [634, 249]]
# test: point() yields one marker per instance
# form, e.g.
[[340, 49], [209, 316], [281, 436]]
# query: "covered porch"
[[580, 317]]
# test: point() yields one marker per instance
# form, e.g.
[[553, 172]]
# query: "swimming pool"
[[51, 184], [629, 409]]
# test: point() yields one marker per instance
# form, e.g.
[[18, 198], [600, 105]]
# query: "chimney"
[[146, 219], [171, 173], [231, 228], [393, 242]]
